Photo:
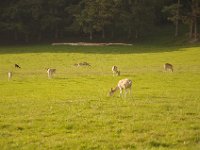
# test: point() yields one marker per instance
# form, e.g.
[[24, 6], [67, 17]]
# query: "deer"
[[168, 66], [17, 66], [124, 84], [115, 71], [82, 64], [85, 64], [9, 75], [50, 72]]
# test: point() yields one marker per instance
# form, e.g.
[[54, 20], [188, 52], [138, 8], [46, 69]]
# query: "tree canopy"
[[25, 20]]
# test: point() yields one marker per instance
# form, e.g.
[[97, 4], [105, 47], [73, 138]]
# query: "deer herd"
[[124, 85]]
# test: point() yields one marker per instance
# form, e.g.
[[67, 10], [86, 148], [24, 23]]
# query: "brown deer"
[[82, 64], [17, 66], [168, 66]]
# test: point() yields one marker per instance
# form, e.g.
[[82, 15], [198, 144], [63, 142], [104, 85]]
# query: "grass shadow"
[[136, 48], [158, 144]]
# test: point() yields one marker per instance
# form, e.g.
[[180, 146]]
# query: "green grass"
[[73, 111]]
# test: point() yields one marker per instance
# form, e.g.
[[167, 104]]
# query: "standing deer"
[[168, 66], [50, 72], [9, 76], [115, 71], [124, 84]]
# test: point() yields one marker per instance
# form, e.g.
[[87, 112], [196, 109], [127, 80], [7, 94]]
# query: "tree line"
[[25, 20]]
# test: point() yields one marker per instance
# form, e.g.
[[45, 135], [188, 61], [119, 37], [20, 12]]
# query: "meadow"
[[73, 110]]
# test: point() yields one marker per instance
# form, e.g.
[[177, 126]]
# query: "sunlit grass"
[[73, 110]]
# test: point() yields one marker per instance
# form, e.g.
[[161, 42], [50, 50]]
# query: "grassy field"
[[73, 110]]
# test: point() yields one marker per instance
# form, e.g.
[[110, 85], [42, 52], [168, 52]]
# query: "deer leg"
[[121, 92], [130, 91], [49, 75], [126, 91]]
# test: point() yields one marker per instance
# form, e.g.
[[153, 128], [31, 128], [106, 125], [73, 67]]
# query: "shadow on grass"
[[158, 144], [136, 48]]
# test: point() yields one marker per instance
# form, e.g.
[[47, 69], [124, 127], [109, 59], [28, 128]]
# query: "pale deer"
[[124, 84], [115, 71], [9, 76], [50, 72]]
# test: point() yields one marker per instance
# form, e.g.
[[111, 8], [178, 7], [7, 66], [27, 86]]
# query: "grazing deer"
[[123, 84], [115, 71], [82, 64], [50, 72], [85, 64], [168, 66], [9, 76], [17, 66]]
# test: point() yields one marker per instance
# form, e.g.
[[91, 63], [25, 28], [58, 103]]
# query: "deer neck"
[[115, 89]]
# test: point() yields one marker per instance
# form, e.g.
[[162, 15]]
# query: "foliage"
[[172, 10], [38, 20]]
